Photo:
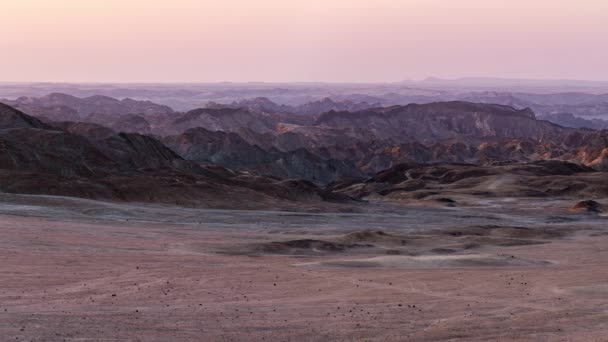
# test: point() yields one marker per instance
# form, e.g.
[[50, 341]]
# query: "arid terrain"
[[348, 219], [493, 269], [303, 171]]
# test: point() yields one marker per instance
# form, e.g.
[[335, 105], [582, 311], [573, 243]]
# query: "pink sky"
[[291, 40]]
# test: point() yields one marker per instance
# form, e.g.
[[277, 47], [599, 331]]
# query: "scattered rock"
[[590, 206]]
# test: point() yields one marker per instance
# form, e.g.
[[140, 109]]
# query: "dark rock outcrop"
[[87, 160], [232, 151], [13, 118], [588, 206], [435, 181]]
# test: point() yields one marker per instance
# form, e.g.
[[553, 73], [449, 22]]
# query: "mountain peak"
[[14, 118]]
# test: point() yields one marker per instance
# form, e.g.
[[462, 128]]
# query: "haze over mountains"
[[347, 139], [544, 97]]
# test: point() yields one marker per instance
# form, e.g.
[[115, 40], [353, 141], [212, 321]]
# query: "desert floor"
[[491, 270]]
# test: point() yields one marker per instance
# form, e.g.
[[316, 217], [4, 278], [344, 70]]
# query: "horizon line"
[[427, 80], [430, 79]]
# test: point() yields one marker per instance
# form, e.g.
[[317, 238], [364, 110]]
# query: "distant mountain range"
[[264, 139], [263, 104], [63, 106], [496, 82], [569, 120], [543, 96]]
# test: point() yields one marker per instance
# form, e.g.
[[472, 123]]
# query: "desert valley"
[[303, 171], [334, 219]]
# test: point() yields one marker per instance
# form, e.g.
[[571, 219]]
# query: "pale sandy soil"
[[74, 270]]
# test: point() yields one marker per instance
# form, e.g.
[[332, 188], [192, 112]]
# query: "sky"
[[301, 41]]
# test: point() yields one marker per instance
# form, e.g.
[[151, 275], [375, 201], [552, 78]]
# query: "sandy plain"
[[484, 270]]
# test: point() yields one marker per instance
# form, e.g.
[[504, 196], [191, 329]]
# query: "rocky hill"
[[87, 160], [444, 120], [252, 136], [230, 150], [312, 108], [453, 184]]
